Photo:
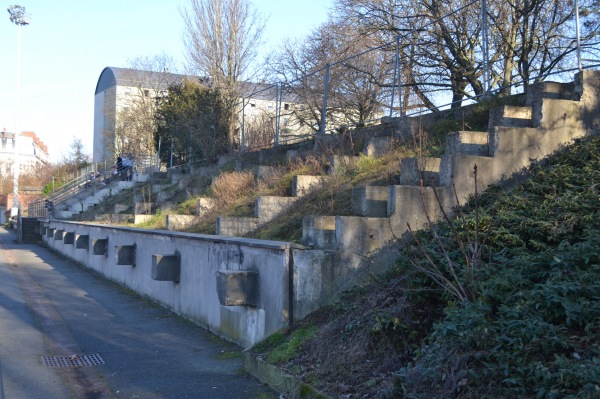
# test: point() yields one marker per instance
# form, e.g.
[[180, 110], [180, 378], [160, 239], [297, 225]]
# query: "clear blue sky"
[[69, 42]]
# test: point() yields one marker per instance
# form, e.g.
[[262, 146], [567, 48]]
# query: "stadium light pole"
[[19, 17]]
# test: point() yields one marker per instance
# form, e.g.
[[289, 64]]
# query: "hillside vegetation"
[[527, 324]]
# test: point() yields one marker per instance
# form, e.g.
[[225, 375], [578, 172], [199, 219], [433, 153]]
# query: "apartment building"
[[32, 152]]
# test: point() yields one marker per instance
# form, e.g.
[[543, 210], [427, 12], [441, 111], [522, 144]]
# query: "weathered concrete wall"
[[518, 135], [304, 184], [378, 146], [319, 231], [341, 162], [201, 258], [413, 169], [176, 222], [587, 89], [268, 207], [370, 201], [113, 218], [141, 218], [235, 226]]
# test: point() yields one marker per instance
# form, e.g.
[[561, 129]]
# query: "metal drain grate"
[[72, 361]]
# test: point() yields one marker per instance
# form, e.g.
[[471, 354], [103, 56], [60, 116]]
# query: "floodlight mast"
[[19, 17]]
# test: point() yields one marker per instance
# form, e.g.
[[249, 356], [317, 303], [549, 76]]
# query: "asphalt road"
[[53, 310]]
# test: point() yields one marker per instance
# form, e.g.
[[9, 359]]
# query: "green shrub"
[[532, 328]]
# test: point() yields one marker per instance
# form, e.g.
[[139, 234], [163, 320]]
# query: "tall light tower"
[[20, 18]]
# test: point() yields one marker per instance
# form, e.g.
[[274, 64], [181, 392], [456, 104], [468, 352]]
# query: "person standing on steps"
[[119, 168], [127, 168]]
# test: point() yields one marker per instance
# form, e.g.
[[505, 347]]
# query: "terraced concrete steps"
[[516, 136], [511, 115], [267, 208], [370, 201]]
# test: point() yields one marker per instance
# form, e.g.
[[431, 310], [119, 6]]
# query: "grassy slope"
[[529, 329], [235, 193]]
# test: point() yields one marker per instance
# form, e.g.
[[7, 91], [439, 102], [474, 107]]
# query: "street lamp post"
[[19, 17]]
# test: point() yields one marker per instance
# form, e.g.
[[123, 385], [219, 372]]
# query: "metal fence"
[[87, 181]]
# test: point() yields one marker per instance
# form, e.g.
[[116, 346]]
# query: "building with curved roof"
[[120, 89]]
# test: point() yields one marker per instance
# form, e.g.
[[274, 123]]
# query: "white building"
[[32, 152], [116, 90]]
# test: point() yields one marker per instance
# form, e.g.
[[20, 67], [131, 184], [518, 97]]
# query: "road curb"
[[288, 385]]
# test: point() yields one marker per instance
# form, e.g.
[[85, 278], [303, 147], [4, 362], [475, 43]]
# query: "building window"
[[286, 107]]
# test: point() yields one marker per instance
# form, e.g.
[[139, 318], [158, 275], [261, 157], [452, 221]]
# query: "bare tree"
[[222, 38], [356, 83], [76, 158], [538, 36], [260, 131], [441, 40]]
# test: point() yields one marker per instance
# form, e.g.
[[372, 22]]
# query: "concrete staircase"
[[267, 208], [86, 199], [555, 114]]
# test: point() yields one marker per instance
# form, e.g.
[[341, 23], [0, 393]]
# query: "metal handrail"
[[90, 180]]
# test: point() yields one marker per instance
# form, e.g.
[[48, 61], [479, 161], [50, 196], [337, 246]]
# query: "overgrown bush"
[[229, 187]]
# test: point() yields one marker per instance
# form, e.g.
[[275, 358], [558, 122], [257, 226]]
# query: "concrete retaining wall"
[[195, 292], [176, 222]]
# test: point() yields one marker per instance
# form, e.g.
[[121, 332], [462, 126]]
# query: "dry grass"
[[229, 188]]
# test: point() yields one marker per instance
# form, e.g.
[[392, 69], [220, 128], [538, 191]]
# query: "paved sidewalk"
[[52, 307]]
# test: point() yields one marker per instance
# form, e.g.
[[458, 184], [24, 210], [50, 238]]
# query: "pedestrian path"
[[52, 309]]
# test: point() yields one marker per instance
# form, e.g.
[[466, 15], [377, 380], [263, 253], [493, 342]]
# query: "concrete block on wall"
[[125, 254], [141, 218], [166, 267], [176, 222], [267, 172], [235, 226], [413, 169], [378, 146], [303, 184], [268, 207], [100, 246], [69, 238], [237, 287], [319, 231], [82, 241], [370, 201], [468, 143], [58, 235]]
